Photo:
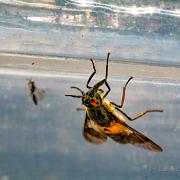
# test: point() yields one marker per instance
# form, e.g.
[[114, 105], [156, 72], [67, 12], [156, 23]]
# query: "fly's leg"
[[74, 96], [81, 109], [97, 85], [123, 94], [139, 115], [119, 107], [106, 83], [109, 89], [94, 72]]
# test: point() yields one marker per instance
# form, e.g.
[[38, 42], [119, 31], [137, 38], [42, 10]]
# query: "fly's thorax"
[[99, 109], [112, 110], [102, 115], [98, 115], [92, 99]]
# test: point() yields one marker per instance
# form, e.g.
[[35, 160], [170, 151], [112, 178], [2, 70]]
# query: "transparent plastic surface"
[[46, 141]]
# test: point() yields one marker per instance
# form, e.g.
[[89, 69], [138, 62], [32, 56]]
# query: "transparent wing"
[[123, 134], [92, 133], [37, 95]]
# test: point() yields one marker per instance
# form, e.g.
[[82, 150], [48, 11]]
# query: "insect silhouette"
[[107, 119], [35, 94]]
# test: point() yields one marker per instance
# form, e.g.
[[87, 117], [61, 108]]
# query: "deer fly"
[[107, 119], [35, 94]]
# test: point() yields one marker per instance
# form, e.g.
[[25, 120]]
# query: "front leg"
[[91, 76]]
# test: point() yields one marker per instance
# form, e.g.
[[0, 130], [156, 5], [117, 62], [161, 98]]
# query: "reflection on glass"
[[138, 32]]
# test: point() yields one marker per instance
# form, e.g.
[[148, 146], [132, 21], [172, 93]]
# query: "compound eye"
[[91, 94], [94, 103]]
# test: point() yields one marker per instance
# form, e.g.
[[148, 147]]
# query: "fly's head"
[[92, 98]]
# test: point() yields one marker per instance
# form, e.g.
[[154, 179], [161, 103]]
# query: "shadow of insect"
[[35, 94]]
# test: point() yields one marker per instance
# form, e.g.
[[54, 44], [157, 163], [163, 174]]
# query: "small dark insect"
[[102, 119], [32, 63], [35, 94]]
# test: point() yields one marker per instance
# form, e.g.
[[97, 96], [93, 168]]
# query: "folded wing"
[[92, 133], [123, 134]]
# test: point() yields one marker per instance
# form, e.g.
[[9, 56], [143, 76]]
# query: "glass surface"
[[46, 141], [142, 31], [51, 42]]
